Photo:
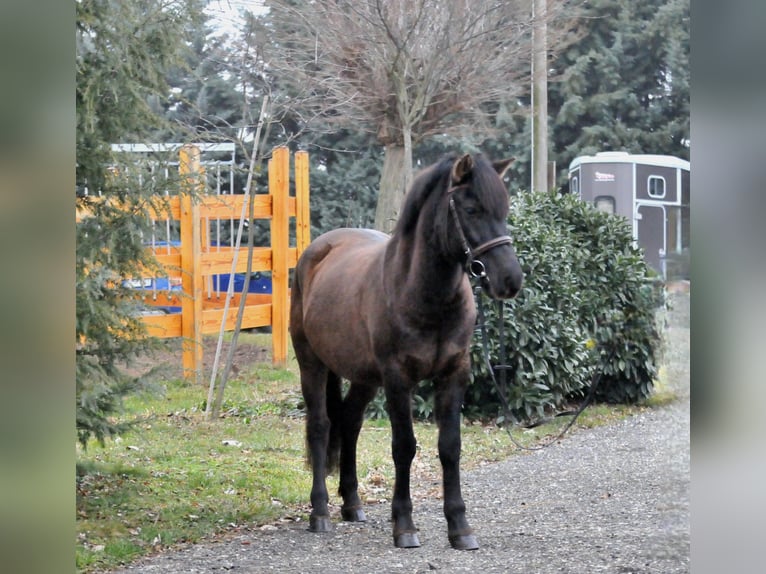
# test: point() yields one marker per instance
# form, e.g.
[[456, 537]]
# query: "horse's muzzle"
[[502, 284]]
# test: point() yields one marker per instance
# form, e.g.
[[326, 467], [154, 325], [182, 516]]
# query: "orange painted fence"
[[197, 259]]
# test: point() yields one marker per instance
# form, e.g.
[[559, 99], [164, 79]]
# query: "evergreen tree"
[[217, 93], [345, 174], [205, 101], [624, 86], [124, 51]]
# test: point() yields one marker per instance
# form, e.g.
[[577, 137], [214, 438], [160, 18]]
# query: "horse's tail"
[[335, 414], [333, 394]]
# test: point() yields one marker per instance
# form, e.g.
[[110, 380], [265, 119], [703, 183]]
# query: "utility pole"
[[539, 97]]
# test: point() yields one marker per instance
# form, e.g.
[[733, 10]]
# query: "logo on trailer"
[[600, 176]]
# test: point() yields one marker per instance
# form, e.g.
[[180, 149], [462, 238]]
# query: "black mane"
[[487, 186], [420, 190], [483, 178]]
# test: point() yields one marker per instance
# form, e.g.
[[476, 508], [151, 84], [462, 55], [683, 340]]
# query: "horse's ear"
[[461, 168], [502, 166]]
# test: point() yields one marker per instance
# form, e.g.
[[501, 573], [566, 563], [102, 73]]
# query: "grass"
[[178, 478]]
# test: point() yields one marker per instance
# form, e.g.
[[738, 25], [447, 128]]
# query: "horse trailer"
[[651, 191]]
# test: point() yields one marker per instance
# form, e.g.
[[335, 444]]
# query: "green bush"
[[621, 295], [587, 306]]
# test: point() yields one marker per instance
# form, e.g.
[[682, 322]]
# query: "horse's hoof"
[[407, 540], [320, 524], [464, 542], [353, 514]]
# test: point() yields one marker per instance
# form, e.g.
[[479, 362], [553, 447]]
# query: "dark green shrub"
[[620, 296], [422, 403], [545, 344], [588, 305]]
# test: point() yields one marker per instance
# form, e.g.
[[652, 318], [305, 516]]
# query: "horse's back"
[[338, 253], [336, 282]]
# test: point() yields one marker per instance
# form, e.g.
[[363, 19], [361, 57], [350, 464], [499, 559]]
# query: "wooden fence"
[[197, 260]]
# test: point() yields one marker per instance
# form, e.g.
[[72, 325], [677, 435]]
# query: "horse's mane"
[[422, 186], [484, 179], [486, 182]]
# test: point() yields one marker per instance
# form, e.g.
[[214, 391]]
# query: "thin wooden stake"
[[215, 400]]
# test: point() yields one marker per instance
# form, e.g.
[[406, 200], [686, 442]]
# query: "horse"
[[390, 311]]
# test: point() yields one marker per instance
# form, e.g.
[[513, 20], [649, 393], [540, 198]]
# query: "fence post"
[[191, 276], [279, 188], [302, 211]]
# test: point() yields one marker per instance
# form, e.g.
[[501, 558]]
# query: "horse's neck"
[[417, 276]]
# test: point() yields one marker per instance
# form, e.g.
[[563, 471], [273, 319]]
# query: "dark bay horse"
[[392, 311]]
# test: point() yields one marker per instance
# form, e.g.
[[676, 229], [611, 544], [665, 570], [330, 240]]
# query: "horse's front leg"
[[449, 399], [403, 444]]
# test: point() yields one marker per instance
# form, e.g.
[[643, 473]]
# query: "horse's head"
[[478, 208]]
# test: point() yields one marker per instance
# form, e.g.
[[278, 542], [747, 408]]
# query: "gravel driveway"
[[611, 499]]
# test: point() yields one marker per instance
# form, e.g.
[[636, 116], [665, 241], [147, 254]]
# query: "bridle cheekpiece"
[[473, 265]]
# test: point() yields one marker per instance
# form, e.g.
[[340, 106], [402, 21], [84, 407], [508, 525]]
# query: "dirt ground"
[[166, 363]]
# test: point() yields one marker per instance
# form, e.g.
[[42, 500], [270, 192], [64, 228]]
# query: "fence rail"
[[197, 261]]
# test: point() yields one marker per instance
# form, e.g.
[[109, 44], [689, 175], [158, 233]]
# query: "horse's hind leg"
[[359, 395], [314, 386], [449, 398]]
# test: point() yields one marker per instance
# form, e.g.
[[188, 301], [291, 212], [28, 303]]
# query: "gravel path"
[[612, 499]]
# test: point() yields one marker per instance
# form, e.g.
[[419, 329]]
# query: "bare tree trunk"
[[407, 163], [393, 182]]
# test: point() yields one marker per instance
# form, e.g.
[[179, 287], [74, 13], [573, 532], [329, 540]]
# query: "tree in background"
[[620, 83], [345, 175], [509, 137], [125, 50], [624, 85], [217, 94], [406, 70], [206, 96]]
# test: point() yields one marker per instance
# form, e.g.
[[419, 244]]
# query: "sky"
[[224, 14]]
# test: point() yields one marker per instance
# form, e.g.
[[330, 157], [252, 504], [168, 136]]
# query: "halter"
[[472, 264]]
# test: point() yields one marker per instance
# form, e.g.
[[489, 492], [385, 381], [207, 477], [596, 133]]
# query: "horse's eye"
[[471, 210]]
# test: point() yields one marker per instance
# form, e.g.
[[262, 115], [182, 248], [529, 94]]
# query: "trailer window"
[[656, 187], [605, 203], [574, 185]]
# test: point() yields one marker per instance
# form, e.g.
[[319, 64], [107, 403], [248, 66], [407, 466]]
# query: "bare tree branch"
[[392, 64], [409, 69]]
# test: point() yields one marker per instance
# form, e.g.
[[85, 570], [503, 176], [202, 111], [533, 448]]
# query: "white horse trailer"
[[651, 191]]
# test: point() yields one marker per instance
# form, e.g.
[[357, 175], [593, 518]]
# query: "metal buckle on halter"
[[476, 268]]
